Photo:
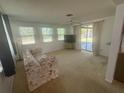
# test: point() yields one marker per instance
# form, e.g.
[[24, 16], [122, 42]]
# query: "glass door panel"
[[89, 40], [83, 38], [87, 37]]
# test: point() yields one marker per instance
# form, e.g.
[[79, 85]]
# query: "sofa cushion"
[[36, 51]]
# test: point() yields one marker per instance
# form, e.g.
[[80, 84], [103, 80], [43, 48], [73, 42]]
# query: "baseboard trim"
[[12, 84], [109, 81]]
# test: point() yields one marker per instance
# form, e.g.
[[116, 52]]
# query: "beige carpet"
[[79, 72]]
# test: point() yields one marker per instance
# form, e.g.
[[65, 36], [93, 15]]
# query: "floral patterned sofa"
[[39, 68]]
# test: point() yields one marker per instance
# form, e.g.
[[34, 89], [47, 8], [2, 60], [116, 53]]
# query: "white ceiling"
[[118, 1], [54, 11]]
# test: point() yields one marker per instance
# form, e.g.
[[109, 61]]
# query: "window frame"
[[60, 34], [27, 36], [47, 34]]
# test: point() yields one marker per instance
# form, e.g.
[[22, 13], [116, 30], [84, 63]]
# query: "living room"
[[61, 46]]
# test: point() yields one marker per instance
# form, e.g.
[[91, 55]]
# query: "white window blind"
[[61, 33], [27, 35], [47, 34]]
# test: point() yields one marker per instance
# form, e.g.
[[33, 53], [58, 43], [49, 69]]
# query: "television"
[[69, 38]]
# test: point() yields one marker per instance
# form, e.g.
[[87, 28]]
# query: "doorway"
[[87, 37]]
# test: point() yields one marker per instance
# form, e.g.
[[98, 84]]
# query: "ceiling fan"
[[71, 20]]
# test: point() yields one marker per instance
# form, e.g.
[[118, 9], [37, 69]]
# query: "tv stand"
[[69, 45]]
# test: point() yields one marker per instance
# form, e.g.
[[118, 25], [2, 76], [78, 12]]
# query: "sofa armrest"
[[33, 73]]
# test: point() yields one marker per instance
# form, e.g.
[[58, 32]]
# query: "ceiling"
[[118, 1], [54, 11]]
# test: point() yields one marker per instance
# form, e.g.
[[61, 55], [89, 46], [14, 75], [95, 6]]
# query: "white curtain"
[[77, 32], [19, 49], [97, 27], [18, 42]]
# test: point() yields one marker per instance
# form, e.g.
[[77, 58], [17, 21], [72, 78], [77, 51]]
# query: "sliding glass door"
[[86, 37]]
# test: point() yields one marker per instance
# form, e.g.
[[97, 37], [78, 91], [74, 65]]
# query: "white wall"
[[6, 84], [106, 36], [116, 37], [46, 47]]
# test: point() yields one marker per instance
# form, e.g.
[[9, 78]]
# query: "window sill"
[[60, 40], [48, 42]]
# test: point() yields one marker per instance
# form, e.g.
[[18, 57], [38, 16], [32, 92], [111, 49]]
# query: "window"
[[47, 34], [27, 35], [61, 33]]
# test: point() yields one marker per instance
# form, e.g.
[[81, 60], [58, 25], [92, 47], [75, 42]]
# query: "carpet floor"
[[79, 72]]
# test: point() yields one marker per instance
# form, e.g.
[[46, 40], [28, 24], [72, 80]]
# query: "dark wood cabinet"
[[119, 71]]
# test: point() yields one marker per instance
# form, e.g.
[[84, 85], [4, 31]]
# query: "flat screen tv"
[[69, 38]]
